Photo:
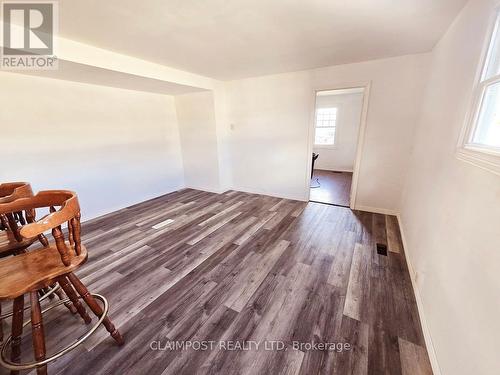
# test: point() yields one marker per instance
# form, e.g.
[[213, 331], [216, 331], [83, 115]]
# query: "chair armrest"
[[11, 191], [64, 198]]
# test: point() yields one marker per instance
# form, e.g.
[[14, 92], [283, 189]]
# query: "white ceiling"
[[230, 39]]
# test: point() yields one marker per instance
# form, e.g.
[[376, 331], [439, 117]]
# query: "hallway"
[[333, 187]]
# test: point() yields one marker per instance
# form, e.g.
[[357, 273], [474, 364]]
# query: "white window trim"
[[486, 157], [332, 146], [329, 147]]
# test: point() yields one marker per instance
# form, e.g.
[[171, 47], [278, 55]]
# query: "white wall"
[[451, 211], [266, 151], [113, 147], [341, 156], [223, 133], [197, 126], [272, 116]]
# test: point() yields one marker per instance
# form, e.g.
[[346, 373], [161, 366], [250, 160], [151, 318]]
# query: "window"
[[326, 120], [480, 141]]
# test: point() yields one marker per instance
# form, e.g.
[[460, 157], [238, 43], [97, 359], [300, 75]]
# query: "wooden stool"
[[11, 241], [31, 271]]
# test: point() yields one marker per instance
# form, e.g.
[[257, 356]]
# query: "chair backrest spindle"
[[4, 221], [77, 229], [20, 218], [70, 234], [13, 226], [61, 245]]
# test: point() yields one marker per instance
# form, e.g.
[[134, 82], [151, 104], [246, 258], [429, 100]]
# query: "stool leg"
[[37, 332], [17, 330], [95, 307], [70, 306], [70, 292]]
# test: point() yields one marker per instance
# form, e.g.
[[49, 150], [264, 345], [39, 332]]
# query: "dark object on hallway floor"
[[314, 157]]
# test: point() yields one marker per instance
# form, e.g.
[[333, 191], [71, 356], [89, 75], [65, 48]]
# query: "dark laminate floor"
[[248, 267], [333, 187]]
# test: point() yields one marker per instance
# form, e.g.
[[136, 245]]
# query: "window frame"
[[334, 144], [483, 156]]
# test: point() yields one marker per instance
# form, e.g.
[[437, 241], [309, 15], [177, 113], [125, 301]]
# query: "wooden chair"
[[10, 239], [11, 242], [29, 272]]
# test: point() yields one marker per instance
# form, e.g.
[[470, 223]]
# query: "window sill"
[[482, 158], [329, 147]]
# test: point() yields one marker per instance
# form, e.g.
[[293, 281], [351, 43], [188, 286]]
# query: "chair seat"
[[35, 270], [8, 243]]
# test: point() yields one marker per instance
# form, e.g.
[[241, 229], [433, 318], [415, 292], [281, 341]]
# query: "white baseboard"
[[376, 210], [270, 194], [208, 190], [423, 321], [335, 169], [132, 202]]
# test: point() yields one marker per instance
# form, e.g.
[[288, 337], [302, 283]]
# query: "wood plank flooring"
[[244, 268], [333, 187]]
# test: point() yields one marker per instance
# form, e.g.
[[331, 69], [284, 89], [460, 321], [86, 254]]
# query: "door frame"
[[366, 85]]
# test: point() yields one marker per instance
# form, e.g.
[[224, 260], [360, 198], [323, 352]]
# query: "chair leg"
[[70, 306], [95, 307], [37, 332], [17, 330], [70, 292]]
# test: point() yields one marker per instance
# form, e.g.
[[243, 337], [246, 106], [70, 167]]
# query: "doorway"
[[338, 126]]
